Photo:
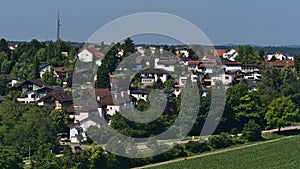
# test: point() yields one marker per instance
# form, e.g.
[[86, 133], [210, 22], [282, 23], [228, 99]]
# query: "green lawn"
[[279, 154]]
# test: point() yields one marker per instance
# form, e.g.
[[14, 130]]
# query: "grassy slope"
[[279, 154]]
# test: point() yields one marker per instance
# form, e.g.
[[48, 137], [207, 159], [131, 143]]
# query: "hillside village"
[[59, 93], [36, 91]]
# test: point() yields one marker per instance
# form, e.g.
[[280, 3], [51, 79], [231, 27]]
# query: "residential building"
[[166, 63], [139, 94], [278, 64], [151, 76], [35, 95], [30, 85], [44, 68], [90, 54], [231, 55], [57, 99], [233, 66], [62, 73]]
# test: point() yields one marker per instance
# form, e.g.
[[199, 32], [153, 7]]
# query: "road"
[[144, 147]]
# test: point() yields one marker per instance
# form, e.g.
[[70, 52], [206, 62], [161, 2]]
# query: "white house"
[[184, 53], [151, 75], [77, 131], [44, 68], [167, 63], [233, 66], [231, 55], [90, 54], [139, 94], [279, 56]]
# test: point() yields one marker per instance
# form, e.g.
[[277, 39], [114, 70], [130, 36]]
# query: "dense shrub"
[[197, 147], [220, 141]]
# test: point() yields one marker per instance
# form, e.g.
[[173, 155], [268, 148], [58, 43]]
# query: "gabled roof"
[[50, 88], [59, 95], [37, 82], [219, 52]]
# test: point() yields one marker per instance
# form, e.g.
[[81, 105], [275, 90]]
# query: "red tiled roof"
[[233, 63], [219, 52], [279, 63], [192, 62], [96, 52]]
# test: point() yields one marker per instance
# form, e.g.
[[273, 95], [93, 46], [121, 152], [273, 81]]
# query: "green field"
[[278, 154]]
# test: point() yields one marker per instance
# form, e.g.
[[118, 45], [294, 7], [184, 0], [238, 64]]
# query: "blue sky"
[[264, 22]]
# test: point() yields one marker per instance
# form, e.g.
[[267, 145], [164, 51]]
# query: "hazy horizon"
[[261, 23]]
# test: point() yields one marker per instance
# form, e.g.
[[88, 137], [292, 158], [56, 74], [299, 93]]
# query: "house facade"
[[57, 99], [151, 76]]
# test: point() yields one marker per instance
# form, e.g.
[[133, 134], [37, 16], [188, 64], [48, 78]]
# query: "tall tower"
[[58, 30]]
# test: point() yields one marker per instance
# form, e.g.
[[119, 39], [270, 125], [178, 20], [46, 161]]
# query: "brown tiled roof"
[[250, 65], [102, 92], [62, 69], [37, 82], [71, 109], [59, 95]]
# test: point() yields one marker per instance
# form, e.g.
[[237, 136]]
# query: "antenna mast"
[[58, 30]]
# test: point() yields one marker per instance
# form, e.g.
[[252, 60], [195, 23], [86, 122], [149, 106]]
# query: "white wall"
[[85, 56], [85, 126], [111, 109], [170, 68]]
